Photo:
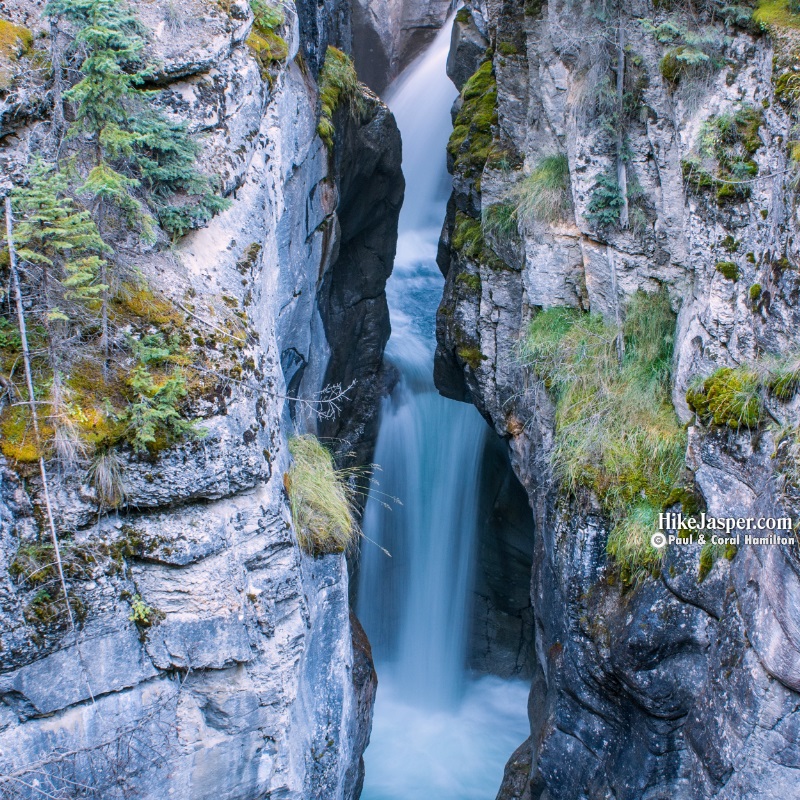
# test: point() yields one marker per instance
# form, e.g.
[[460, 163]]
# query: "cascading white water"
[[431, 725], [413, 605]]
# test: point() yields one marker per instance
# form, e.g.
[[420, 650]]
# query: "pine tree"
[[62, 241], [136, 146]]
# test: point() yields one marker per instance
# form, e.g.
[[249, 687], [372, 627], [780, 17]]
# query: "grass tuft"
[[729, 397], [617, 433], [320, 498], [338, 84], [544, 195]]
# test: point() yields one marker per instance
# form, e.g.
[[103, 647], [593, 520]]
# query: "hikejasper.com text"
[[675, 521]]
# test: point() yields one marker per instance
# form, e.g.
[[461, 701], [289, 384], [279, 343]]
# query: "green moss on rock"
[[471, 356], [730, 397], [470, 144], [470, 282], [338, 84], [728, 270]]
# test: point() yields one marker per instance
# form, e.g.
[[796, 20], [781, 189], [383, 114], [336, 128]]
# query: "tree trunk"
[[26, 359], [622, 172], [56, 57]]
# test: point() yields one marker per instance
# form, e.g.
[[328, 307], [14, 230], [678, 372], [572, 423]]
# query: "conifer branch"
[[32, 401]]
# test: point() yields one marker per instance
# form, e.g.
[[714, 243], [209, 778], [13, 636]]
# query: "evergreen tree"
[[136, 146], [62, 241]]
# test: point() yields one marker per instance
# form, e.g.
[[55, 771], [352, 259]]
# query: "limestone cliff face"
[[247, 679], [678, 687]]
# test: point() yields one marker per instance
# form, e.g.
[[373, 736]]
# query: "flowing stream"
[[438, 734]]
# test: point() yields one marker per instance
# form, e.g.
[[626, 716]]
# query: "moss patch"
[[728, 269], [471, 356], [468, 242], [15, 42], [507, 49], [338, 84], [470, 282], [470, 143], [730, 397], [18, 441]]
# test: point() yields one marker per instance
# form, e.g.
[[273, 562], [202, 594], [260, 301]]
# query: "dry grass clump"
[[320, 497]]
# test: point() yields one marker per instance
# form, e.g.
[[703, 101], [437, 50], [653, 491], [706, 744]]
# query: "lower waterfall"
[[438, 734]]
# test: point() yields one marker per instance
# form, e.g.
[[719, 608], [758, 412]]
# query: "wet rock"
[[352, 298], [467, 49], [684, 686], [388, 34]]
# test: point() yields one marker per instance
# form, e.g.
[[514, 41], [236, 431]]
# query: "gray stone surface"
[[678, 688], [212, 658]]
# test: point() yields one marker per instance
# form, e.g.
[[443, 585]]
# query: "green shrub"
[[544, 195], [680, 62], [616, 430], [320, 498], [755, 292], [729, 142], [141, 613], [695, 51], [728, 270], [338, 84], [605, 202], [135, 144]]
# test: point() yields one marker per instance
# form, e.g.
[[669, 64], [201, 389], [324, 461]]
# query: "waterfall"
[[415, 604]]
